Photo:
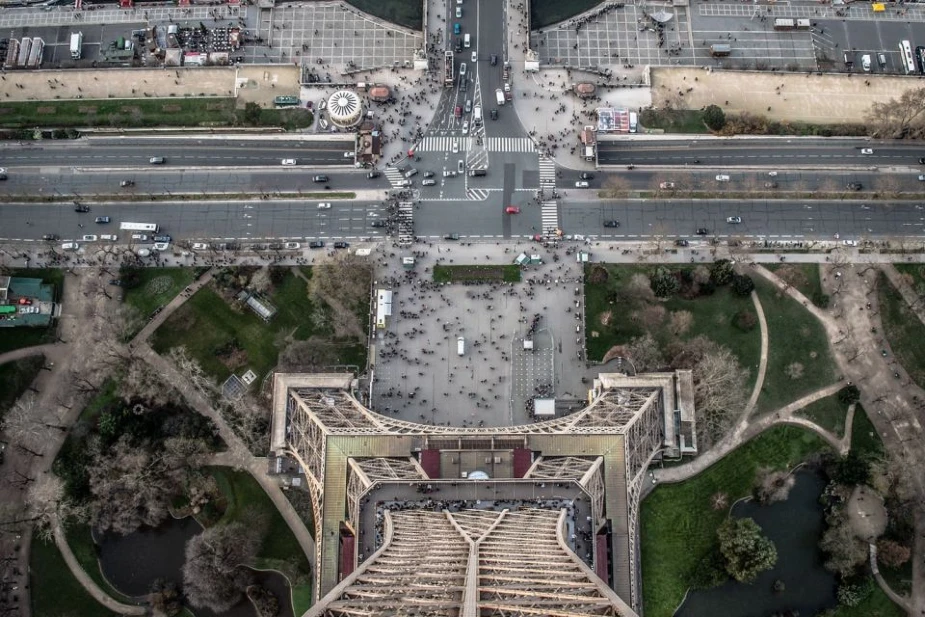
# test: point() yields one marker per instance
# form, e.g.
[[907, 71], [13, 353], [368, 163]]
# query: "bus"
[[448, 69], [151, 227], [286, 101], [905, 56]]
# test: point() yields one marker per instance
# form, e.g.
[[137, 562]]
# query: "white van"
[[467, 42], [461, 346]]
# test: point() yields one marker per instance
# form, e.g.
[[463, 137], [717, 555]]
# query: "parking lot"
[[419, 374]]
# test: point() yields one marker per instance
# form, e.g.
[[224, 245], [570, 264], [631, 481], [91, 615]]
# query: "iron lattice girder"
[[558, 467]]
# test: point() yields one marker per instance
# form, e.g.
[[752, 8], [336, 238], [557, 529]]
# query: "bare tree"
[[899, 117], [212, 575], [47, 503], [773, 485], [344, 285], [28, 426], [679, 322], [141, 381], [645, 354]]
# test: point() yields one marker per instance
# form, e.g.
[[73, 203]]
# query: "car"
[[157, 160], [512, 210], [586, 176], [316, 244], [666, 186], [89, 238], [854, 186], [703, 231], [70, 246], [288, 162], [850, 242], [140, 237], [406, 183], [722, 178], [922, 178], [428, 174], [494, 114], [458, 45], [459, 2], [377, 224], [455, 146], [465, 127], [109, 237], [319, 178], [373, 174], [200, 246], [734, 220], [458, 12], [867, 150], [468, 106], [2, 175], [458, 111], [508, 96], [428, 182], [772, 174], [770, 185], [164, 238], [581, 184], [681, 242], [460, 166], [462, 72], [613, 224], [102, 220], [348, 155], [507, 86], [475, 56], [127, 183], [449, 173], [456, 29], [323, 124], [292, 246], [161, 246], [922, 160], [451, 237], [51, 237], [341, 245], [324, 205], [81, 208]]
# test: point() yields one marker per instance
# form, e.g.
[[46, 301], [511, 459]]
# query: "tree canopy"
[[745, 548]]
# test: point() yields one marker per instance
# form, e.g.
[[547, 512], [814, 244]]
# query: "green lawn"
[[916, 271], [804, 277], [794, 336], [864, 437], [242, 492], [674, 120], [447, 274], [877, 604], [16, 378], [207, 324], [829, 413], [301, 598], [903, 330], [157, 287], [678, 524], [54, 590], [713, 318]]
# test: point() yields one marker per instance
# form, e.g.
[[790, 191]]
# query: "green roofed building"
[[26, 302]]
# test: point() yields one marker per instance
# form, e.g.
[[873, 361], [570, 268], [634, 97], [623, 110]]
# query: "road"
[[777, 153]]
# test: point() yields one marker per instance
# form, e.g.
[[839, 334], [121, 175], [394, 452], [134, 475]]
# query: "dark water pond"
[[795, 527], [132, 562]]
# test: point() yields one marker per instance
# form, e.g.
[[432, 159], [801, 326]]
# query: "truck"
[[77, 41], [499, 96], [461, 346], [720, 49]]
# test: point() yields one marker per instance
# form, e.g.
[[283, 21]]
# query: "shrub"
[[849, 395], [852, 470], [745, 548], [745, 320], [854, 592], [664, 283], [721, 272], [742, 284], [714, 117], [821, 300]]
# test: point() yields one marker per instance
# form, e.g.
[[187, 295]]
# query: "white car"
[[722, 178], [666, 186], [922, 178], [458, 12], [455, 146], [200, 246], [448, 173], [70, 246], [850, 242], [288, 162], [348, 155], [109, 237], [161, 246], [89, 238], [293, 245], [475, 56], [867, 150], [323, 104], [734, 220], [140, 237], [465, 128], [772, 174], [459, 2], [581, 185], [324, 205]]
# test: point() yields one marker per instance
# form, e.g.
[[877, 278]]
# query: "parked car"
[[613, 224], [109, 237], [681, 242], [292, 246], [512, 210], [70, 246], [51, 237], [451, 237], [161, 246], [666, 186], [854, 186], [341, 245], [734, 220], [320, 178], [316, 244], [89, 238], [164, 238], [140, 237], [722, 178], [200, 246], [102, 220], [81, 208]]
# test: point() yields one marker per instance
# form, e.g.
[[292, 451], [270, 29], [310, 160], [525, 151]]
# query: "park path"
[[172, 306], [49, 349], [84, 579], [901, 601], [762, 361]]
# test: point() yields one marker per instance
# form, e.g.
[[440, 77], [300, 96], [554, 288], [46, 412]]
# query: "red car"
[[458, 111], [512, 210]]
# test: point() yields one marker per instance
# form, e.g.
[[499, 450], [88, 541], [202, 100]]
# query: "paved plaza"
[[420, 377]]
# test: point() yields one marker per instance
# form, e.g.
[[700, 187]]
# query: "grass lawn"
[[206, 324], [242, 492], [713, 318], [16, 377], [903, 330], [447, 274], [678, 524], [301, 598], [794, 336], [829, 413], [803, 277], [864, 437], [916, 271], [54, 590], [877, 604], [81, 543], [157, 287], [674, 120]]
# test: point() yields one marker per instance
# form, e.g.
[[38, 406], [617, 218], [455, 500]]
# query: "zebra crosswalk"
[[547, 173], [405, 219], [444, 144], [394, 177], [549, 215], [477, 194], [509, 144]]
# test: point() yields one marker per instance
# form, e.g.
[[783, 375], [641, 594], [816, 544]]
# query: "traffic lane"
[[192, 220], [185, 154], [68, 184], [474, 219], [681, 218]]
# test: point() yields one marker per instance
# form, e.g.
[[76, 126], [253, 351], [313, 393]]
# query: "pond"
[[131, 563], [795, 526]]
